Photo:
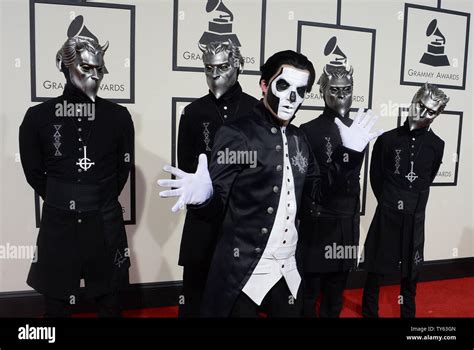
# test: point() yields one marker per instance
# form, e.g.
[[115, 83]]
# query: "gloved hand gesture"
[[190, 188], [358, 135]]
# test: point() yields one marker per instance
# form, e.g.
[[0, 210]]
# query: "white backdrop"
[[154, 239]]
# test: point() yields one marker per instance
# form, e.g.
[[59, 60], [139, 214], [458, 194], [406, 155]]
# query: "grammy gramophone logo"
[[337, 57], [220, 27], [434, 56]]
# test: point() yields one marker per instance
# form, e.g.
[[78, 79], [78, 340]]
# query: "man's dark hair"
[[292, 58]]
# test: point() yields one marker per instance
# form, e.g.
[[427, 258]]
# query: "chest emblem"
[[397, 161], [299, 160], [206, 134], [328, 149], [57, 140]]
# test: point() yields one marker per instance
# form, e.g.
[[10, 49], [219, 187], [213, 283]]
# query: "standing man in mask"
[[255, 264], [77, 152], [404, 164], [333, 223], [225, 102]]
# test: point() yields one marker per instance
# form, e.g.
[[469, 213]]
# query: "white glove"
[[190, 188], [358, 135]]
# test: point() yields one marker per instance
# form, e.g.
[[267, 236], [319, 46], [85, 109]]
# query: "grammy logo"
[[336, 56], [220, 27], [435, 56]]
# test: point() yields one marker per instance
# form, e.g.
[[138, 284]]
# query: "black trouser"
[[370, 299], [194, 282], [108, 306], [331, 287], [277, 303]]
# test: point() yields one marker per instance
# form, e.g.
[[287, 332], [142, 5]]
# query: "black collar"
[[73, 95], [332, 114], [231, 95], [266, 116], [416, 132]]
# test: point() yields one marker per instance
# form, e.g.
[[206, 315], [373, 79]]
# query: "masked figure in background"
[[404, 164], [76, 152], [260, 167], [225, 103], [332, 225]]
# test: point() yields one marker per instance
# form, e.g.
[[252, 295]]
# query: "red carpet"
[[446, 298]]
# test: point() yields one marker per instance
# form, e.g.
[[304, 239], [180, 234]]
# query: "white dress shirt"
[[278, 258]]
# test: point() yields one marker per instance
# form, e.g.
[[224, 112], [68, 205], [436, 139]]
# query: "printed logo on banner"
[[199, 22], [305, 116], [47, 36], [435, 47], [338, 45], [448, 126]]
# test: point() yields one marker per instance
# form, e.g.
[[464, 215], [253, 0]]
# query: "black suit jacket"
[[245, 194], [197, 128]]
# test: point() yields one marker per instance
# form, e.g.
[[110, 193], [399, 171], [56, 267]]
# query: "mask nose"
[[215, 73], [95, 75], [423, 113], [293, 96]]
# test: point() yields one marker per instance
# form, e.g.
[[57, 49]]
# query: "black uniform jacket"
[[82, 233], [197, 128], [248, 195], [396, 236], [332, 224]]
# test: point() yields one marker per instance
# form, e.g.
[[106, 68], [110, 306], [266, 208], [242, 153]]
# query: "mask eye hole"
[[224, 67], [301, 91], [86, 68], [348, 89], [333, 90], [282, 85]]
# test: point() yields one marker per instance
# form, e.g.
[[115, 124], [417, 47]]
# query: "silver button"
[[279, 168], [79, 119], [413, 138], [274, 130], [79, 129], [270, 210], [257, 250], [80, 148], [79, 221], [79, 170], [264, 230], [275, 189], [278, 148], [225, 107], [80, 140], [412, 146], [225, 115]]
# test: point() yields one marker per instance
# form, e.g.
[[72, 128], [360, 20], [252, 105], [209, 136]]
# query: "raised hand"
[[358, 135], [190, 188]]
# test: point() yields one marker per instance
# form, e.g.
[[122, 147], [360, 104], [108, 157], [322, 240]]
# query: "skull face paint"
[[286, 92], [427, 104], [87, 72], [221, 73]]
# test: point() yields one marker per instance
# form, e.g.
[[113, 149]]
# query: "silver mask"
[[427, 104], [222, 65], [336, 86], [81, 59]]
